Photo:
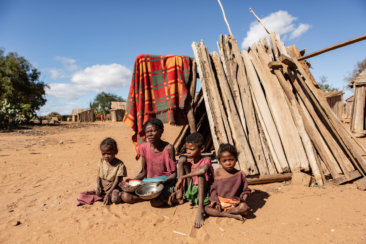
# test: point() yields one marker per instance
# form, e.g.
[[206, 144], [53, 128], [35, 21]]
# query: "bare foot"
[[199, 220], [179, 197], [238, 217], [172, 199]]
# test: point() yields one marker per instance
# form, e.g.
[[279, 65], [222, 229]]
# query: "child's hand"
[[178, 184], [107, 198], [243, 198]]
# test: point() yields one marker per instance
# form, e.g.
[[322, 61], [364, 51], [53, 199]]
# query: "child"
[[230, 190], [110, 174], [201, 174], [157, 161]]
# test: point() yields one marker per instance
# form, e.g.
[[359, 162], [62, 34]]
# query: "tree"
[[356, 71], [21, 92], [102, 102], [323, 84]]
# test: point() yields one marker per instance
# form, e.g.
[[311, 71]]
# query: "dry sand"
[[44, 168]]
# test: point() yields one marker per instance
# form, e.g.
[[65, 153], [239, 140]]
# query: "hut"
[[348, 109], [358, 110], [117, 111], [335, 101], [83, 115]]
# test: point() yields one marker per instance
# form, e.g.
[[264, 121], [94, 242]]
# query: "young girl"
[[110, 174], [230, 190], [199, 171], [157, 163]]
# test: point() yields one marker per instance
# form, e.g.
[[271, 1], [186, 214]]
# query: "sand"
[[44, 168]]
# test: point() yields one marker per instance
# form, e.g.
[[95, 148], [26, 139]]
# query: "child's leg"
[[116, 196], [130, 198], [216, 213], [241, 209], [202, 192]]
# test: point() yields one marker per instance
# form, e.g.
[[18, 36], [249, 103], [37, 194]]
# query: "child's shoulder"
[[222, 172]]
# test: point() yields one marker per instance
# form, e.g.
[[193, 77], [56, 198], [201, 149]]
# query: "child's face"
[[227, 161], [193, 151], [152, 133], [108, 154]]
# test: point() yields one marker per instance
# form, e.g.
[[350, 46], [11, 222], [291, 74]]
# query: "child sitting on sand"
[[110, 174], [157, 161], [200, 172], [230, 190]]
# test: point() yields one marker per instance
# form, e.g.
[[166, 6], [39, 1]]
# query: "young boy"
[[200, 173]]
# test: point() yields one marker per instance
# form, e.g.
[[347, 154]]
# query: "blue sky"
[[85, 47]]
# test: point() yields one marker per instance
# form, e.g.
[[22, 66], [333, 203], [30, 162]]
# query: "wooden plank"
[[230, 70], [191, 97], [269, 179], [327, 49], [358, 114], [265, 113], [252, 129], [289, 134], [207, 104], [300, 125], [246, 160]]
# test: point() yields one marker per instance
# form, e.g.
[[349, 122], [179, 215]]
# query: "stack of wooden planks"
[[267, 103], [358, 121]]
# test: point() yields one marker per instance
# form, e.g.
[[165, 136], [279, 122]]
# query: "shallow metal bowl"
[[149, 191], [131, 185]]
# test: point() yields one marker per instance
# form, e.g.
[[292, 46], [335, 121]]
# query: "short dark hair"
[[110, 143], [195, 138], [226, 147], [155, 122]]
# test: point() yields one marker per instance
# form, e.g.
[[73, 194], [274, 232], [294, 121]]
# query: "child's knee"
[[116, 197], [181, 161], [126, 197]]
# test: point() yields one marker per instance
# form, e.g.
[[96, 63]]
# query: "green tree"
[[356, 71], [102, 102], [21, 92], [323, 84]]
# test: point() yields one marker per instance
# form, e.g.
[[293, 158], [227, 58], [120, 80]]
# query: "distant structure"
[[82, 115], [348, 109], [117, 110], [335, 101], [358, 110]]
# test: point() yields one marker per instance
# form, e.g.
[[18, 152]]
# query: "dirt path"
[[43, 169]]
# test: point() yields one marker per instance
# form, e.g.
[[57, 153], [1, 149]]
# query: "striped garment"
[[158, 90]]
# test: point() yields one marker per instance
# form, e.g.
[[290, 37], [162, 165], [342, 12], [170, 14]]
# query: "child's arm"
[[99, 189], [245, 191], [107, 198], [199, 171]]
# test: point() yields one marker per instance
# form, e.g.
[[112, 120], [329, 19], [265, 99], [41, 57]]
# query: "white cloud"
[[56, 74], [280, 22], [299, 30], [65, 90], [102, 77], [68, 63]]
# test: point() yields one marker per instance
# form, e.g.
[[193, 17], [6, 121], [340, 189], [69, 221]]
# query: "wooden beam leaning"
[[205, 95], [245, 159], [267, 122], [247, 101], [276, 66], [289, 134], [191, 97]]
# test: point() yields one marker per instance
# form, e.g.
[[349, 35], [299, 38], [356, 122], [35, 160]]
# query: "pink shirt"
[[209, 175], [157, 164]]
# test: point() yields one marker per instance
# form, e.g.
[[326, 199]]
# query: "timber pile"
[[267, 103]]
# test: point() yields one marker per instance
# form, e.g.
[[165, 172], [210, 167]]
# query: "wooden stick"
[[327, 49], [269, 179], [260, 21], [223, 12]]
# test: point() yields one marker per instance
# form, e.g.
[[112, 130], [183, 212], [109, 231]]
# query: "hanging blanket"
[[158, 90]]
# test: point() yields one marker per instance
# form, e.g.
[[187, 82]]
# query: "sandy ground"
[[44, 168]]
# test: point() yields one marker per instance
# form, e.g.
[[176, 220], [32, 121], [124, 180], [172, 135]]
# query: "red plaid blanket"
[[158, 90]]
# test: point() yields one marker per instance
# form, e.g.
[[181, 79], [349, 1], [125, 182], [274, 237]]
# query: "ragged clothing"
[[108, 172], [229, 186], [90, 197], [209, 175], [157, 164], [158, 90]]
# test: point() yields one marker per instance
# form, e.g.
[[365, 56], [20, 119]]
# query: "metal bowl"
[[149, 191], [131, 185]]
